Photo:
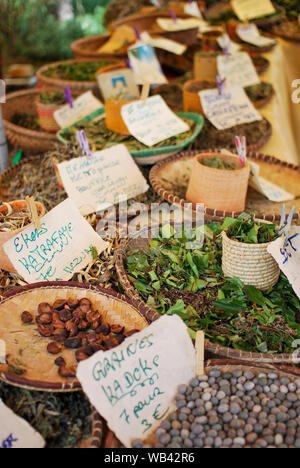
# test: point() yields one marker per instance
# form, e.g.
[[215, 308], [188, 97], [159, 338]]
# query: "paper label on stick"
[[193, 9], [252, 9], [84, 105], [133, 385], [61, 248], [180, 25], [238, 69], [16, 433], [165, 44], [287, 255], [250, 33], [231, 108], [145, 64], [97, 183], [118, 84], [152, 121]]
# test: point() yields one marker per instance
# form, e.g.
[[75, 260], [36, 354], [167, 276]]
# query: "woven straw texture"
[[216, 188], [19, 137], [87, 47], [129, 245], [46, 116], [205, 66], [251, 263], [111, 441], [77, 87], [41, 373], [169, 179]]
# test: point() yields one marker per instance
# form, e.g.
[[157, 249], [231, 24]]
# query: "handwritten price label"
[[231, 108], [85, 105], [62, 247], [251, 9], [133, 385], [238, 69], [17, 433], [250, 33]]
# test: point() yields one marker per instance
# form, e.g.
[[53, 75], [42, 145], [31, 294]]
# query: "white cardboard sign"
[[16, 433], [238, 69], [133, 385], [152, 121], [250, 33], [165, 44], [272, 191], [145, 64], [85, 105], [231, 108], [179, 25], [192, 8], [61, 248], [287, 255], [97, 183], [251, 9]]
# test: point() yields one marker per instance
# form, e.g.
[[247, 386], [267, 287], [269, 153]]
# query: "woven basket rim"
[[65, 83], [245, 244], [185, 155], [154, 14], [78, 49], [56, 387], [221, 172], [97, 430], [152, 315]]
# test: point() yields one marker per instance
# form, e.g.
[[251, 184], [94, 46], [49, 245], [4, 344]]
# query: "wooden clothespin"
[[33, 212], [200, 351], [145, 92]]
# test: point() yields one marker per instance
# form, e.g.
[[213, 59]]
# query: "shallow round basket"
[[111, 441], [27, 350], [138, 243], [77, 87], [87, 47], [289, 30], [170, 178], [251, 263], [28, 140]]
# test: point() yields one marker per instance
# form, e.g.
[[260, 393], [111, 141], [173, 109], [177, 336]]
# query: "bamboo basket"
[[251, 263], [77, 87], [41, 373], [111, 441], [14, 206], [191, 99], [46, 116], [86, 48], [205, 66], [128, 245], [218, 189], [28, 140]]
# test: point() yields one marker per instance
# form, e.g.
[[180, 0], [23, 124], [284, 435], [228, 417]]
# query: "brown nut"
[[95, 325], [68, 372], [46, 330], [130, 333], [92, 316], [73, 303], [85, 305], [73, 343], [111, 342], [92, 338], [71, 328], [84, 353], [83, 325], [60, 335], [116, 329], [27, 317], [79, 314], [104, 329], [97, 348], [59, 361], [65, 315], [59, 304], [54, 348], [120, 338], [44, 308], [44, 319]]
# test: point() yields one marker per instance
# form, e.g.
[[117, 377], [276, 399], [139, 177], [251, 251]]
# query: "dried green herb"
[[54, 97], [173, 279], [80, 71], [62, 419], [259, 92], [219, 163], [25, 120]]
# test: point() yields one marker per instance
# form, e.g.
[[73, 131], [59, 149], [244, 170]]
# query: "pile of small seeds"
[[75, 324], [234, 410]]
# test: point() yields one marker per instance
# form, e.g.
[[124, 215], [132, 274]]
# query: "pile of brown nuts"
[[74, 324]]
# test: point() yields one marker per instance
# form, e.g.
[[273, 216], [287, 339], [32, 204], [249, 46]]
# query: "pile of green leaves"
[[219, 163], [292, 7], [174, 279], [250, 231], [79, 71], [55, 97]]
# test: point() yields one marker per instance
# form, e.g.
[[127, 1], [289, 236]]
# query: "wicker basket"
[[218, 189], [41, 373], [77, 87], [14, 206], [129, 245], [87, 47], [251, 263], [46, 116], [22, 138], [111, 441]]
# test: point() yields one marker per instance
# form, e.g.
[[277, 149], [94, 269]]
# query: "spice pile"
[[74, 324], [79, 71], [25, 120], [234, 410], [12, 220]]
